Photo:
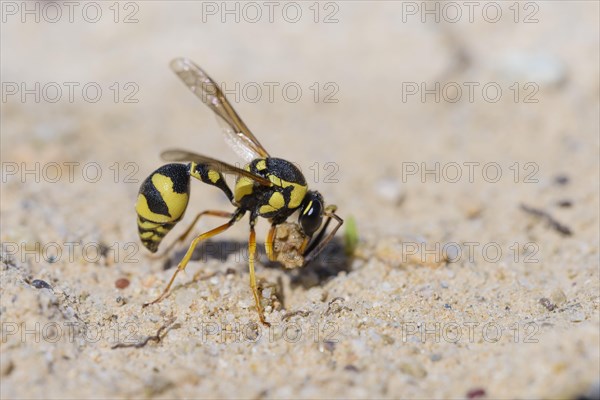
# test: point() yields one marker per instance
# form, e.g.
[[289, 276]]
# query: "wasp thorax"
[[278, 200]]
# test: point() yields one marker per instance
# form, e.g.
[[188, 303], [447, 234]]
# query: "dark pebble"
[[329, 345], [565, 203], [561, 179], [547, 303], [40, 284], [476, 393]]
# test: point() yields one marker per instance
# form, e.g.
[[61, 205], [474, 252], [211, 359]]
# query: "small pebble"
[[413, 369], [452, 253], [548, 304], [577, 316], [558, 297], [245, 302], [121, 283], [524, 282], [544, 69], [40, 284], [390, 190], [327, 345], [476, 393], [266, 293], [470, 207], [435, 357], [387, 339], [564, 203], [251, 332], [6, 366], [185, 298], [561, 179]]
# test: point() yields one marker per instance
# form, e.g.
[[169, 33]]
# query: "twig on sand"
[[554, 224], [160, 333], [294, 313]]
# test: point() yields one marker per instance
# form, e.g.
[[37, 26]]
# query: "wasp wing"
[[219, 166], [237, 134]]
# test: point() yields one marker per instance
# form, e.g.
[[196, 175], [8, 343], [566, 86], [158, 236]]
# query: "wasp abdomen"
[[161, 203], [211, 177]]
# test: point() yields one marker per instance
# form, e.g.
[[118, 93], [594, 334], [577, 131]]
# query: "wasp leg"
[[251, 255], [214, 213], [188, 255], [319, 243], [269, 243]]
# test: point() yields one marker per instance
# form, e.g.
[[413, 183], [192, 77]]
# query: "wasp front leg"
[[251, 257], [320, 241], [269, 243]]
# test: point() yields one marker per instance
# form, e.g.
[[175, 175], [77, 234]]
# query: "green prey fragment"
[[350, 236]]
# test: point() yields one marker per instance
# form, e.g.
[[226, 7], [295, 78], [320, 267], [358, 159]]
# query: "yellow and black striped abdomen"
[[161, 203]]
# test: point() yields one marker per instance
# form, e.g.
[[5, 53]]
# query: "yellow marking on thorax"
[[245, 186], [297, 195], [276, 202], [298, 192], [261, 165]]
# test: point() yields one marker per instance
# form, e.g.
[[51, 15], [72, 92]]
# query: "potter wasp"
[[266, 187]]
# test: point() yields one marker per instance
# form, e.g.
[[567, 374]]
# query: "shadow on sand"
[[327, 265]]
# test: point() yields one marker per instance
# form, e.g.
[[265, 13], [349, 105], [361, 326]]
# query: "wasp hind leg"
[[184, 235], [188, 255]]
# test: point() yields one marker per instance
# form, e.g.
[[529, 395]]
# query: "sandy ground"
[[465, 148]]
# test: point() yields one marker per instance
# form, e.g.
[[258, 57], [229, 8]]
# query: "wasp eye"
[[312, 213]]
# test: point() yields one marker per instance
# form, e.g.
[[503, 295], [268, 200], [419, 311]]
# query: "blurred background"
[[373, 91], [428, 120]]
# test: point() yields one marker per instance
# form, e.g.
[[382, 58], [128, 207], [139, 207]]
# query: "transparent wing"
[[236, 142], [237, 134], [220, 166]]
